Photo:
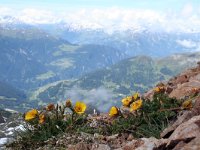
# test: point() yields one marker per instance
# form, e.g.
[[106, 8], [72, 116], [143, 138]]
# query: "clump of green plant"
[[145, 117], [53, 120], [140, 117], [148, 117]]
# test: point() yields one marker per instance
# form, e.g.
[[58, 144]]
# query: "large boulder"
[[185, 89], [181, 119], [143, 144], [188, 129]]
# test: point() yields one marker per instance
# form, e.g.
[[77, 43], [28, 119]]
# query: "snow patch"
[[3, 141], [10, 110]]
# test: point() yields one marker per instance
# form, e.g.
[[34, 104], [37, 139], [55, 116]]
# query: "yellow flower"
[[80, 107], [126, 101], [41, 118], [159, 89], [68, 103], [187, 104], [114, 111], [50, 107], [136, 105], [136, 96], [31, 114], [156, 89]]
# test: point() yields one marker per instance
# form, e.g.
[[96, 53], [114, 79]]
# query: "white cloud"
[[187, 43], [114, 18], [34, 16], [97, 97], [138, 19], [187, 10], [5, 11]]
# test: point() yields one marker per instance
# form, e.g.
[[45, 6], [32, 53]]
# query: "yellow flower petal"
[[159, 89], [187, 104], [80, 107], [126, 101], [41, 118], [136, 105], [136, 96], [114, 111], [31, 114]]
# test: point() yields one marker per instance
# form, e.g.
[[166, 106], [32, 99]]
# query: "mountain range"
[[106, 86], [31, 58], [51, 62], [131, 42], [11, 97]]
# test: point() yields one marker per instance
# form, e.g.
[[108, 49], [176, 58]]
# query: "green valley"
[[110, 84]]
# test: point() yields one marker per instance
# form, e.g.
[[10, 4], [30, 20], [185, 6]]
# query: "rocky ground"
[[182, 134], [10, 122]]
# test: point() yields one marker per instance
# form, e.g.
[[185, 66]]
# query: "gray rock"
[[2, 119], [144, 144], [193, 145], [196, 107], [100, 147], [2, 134], [181, 119], [184, 89], [12, 124], [189, 129]]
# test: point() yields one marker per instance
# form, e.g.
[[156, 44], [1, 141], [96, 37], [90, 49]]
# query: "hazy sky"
[[164, 14], [161, 5]]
